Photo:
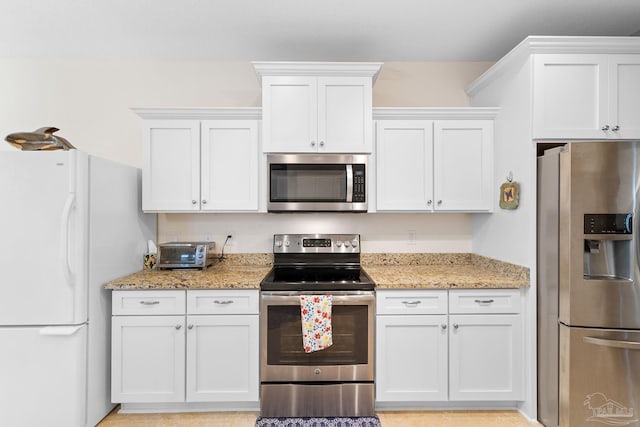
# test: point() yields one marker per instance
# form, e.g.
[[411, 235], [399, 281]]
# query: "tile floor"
[[387, 419]]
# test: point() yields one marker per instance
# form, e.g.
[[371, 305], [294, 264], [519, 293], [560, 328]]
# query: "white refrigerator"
[[69, 222]]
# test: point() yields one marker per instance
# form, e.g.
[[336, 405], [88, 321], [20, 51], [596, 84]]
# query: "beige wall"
[[91, 104], [90, 101]]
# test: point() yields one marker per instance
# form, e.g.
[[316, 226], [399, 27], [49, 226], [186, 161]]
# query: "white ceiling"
[[300, 30]]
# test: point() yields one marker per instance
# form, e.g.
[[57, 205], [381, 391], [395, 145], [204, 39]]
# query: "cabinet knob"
[[193, 202], [429, 202], [313, 143], [178, 327], [455, 326], [439, 202], [444, 326], [605, 127], [616, 128], [190, 327], [321, 143], [204, 202]]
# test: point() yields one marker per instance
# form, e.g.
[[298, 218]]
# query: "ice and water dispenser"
[[608, 255]]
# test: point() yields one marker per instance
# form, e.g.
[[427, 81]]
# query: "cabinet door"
[[463, 165], [344, 115], [290, 114], [404, 155], [147, 359], [229, 165], [222, 358], [624, 96], [171, 165], [486, 357], [411, 358], [570, 96]]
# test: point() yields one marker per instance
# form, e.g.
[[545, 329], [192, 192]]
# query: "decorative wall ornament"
[[510, 193]]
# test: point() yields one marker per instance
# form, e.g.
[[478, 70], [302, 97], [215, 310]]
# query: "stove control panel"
[[316, 243]]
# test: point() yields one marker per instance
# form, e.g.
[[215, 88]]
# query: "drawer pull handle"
[[223, 302], [484, 301], [411, 303], [149, 302]]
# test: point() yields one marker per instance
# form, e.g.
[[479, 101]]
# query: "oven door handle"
[[337, 299]]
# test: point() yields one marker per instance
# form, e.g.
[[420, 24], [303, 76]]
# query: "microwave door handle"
[[349, 183]]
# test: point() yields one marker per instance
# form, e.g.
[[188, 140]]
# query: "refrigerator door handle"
[[64, 230], [628, 345], [60, 331]]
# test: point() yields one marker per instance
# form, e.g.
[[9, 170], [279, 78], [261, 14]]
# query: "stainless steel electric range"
[[336, 381]]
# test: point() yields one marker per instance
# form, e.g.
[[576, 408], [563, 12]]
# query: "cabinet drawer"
[[495, 301], [411, 302], [135, 303], [223, 302]]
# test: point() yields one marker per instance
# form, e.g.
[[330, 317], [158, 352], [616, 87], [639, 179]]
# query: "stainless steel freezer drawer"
[[599, 377]]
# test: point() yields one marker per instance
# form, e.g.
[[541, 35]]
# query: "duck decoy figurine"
[[40, 139]]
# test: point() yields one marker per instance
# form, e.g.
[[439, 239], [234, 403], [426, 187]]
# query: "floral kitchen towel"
[[315, 311]]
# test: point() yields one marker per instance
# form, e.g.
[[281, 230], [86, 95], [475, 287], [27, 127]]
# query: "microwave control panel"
[[359, 183]]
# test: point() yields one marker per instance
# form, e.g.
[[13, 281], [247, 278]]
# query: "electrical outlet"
[[229, 237], [412, 238]]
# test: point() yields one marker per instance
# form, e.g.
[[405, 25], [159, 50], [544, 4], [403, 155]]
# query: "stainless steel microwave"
[[177, 255], [317, 182]]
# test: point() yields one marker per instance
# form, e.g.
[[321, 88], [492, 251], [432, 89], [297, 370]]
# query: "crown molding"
[[239, 113], [319, 69], [428, 113], [559, 45]]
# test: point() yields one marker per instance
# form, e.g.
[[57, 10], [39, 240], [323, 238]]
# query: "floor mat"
[[319, 422]]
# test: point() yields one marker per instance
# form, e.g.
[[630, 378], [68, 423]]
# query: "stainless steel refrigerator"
[[589, 285]]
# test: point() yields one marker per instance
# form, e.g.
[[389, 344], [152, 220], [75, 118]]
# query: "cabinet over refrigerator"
[[69, 223]]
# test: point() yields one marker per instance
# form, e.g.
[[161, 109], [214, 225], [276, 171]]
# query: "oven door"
[[350, 358]]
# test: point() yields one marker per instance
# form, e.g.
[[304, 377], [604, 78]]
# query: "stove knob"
[[278, 243], [286, 243], [338, 244], [354, 243], [347, 243]]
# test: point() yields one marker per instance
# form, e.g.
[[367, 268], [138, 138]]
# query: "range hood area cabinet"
[[192, 165], [590, 96], [317, 107], [434, 160]]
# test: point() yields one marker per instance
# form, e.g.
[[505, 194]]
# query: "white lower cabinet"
[[222, 358], [456, 345], [208, 353], [147, 363]]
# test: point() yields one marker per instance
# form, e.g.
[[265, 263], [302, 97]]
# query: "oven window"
[[178, 255], [350, 335], [308, 183]]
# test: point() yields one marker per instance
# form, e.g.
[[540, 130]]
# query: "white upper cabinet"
[[433, 165], [463, 165], [317, 107], [200, 165], [591, 96], [171, 165], [229, 165], [404, 163]]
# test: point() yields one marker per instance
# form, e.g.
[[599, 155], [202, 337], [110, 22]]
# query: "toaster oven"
[[177, 255]]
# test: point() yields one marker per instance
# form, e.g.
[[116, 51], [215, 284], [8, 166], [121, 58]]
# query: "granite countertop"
[[443, 271], [235, 272], [388, 271]]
